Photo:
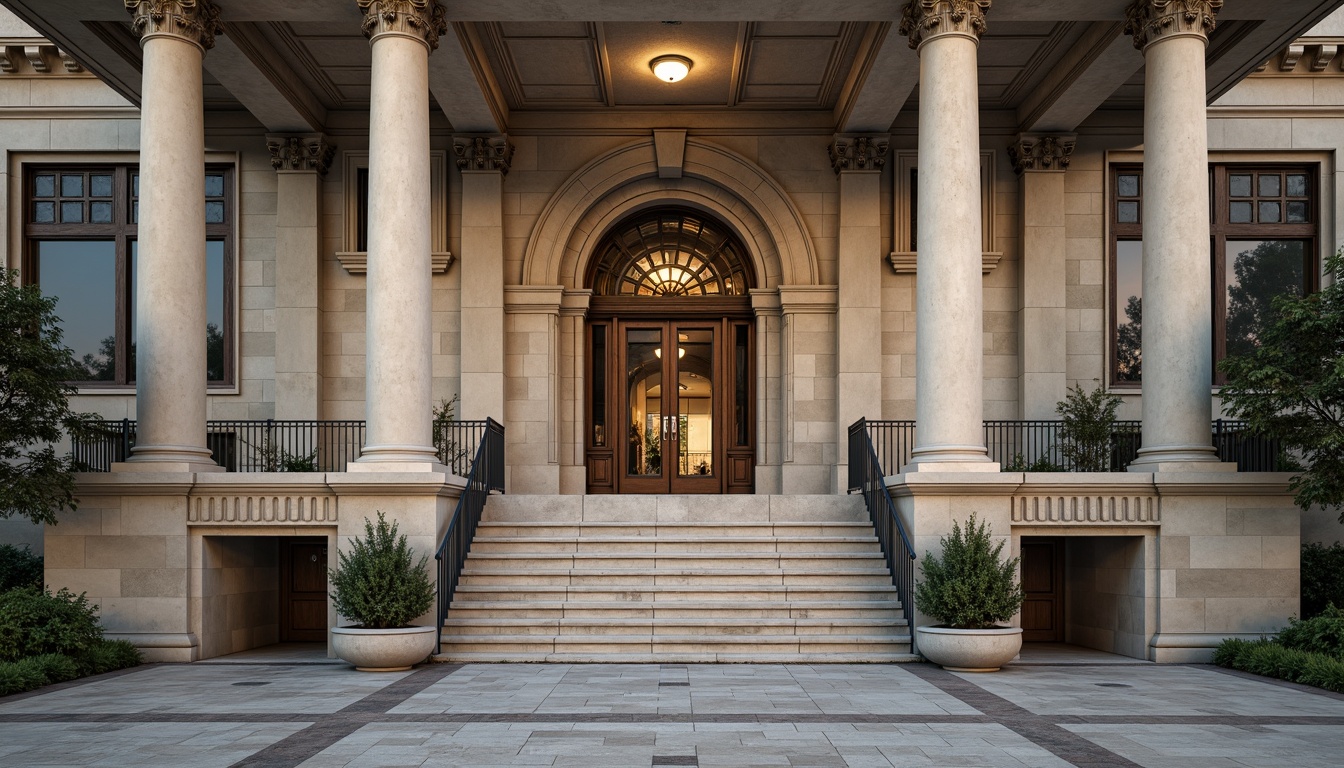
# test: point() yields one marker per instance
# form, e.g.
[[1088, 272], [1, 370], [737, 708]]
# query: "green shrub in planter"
[[379, 585], [968, 587], [19, 567], [34, 622]]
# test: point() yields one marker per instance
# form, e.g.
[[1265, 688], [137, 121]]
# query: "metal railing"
[[486, 474], [1036, 445], [274, 445], [866, 476]]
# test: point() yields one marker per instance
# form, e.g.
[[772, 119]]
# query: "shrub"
[[1272, 659], [968, 587], [34, 622], [1085, 435], [109, 655], [56, 668], [379, 586], [1322, 577], [20, 676], [19, 568], [1041, 464], [1319, 634]]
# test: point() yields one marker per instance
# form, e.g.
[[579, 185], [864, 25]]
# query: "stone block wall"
[[240, 593], [1107, 587]]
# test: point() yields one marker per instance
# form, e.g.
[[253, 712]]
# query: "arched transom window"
[[670, 253]]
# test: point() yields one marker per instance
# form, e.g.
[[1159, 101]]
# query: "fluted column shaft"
[[949, 300], [170, 280], [398, 368], [1177, 304]]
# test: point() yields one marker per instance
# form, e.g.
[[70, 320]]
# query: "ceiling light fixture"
[[670, 68]]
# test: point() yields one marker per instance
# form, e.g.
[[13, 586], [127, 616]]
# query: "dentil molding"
[[858, 153], [303, 152], [196, 21], [923, 20], [423, 19], [1152, 20], [483, 153], [1042, 152]]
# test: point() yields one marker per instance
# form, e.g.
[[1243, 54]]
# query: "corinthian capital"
[[1041, 152], [196, 21], [1152, 20], [305, 152], [925, 19], [483, 153], [422, 19], [858, 153]]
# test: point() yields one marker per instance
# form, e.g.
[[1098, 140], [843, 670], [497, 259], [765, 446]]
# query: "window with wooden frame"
[[80, 227], [1264, 242]]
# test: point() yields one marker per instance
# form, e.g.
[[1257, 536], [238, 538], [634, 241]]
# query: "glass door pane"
[[644, 410], [695, 402]]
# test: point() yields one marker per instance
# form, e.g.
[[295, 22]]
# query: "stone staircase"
[[675, 579]]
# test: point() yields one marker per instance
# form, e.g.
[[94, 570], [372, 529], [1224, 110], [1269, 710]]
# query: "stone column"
[[574, 367], [301, 162], [858, 160], [949, 300], [398, 400], [1040, 162], [483, 161], [170, 293], [1177, 302]]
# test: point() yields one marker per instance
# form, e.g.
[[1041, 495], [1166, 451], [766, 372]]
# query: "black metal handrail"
[[486, 474], [1035, 445], [865, 476], [274, 445]]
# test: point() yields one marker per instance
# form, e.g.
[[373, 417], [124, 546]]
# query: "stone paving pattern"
[[281, 715]]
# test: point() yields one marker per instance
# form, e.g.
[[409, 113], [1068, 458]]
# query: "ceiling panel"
[[711, 46]]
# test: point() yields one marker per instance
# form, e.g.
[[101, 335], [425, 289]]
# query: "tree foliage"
[[35, 414], [1129, 343], [1290, 386], [1088, 423], [968, 587], [379, 585]]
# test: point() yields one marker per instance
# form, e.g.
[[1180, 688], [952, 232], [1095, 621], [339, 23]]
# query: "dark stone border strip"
[[304, 744], [1040, 731]]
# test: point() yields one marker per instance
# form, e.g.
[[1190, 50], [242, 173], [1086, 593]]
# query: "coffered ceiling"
[[823, 64]]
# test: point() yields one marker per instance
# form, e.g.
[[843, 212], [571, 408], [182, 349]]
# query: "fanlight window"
[[670, 253]]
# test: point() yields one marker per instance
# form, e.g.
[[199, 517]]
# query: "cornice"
[[420, 19], [923, 20], [1149, 21], [194, 21]]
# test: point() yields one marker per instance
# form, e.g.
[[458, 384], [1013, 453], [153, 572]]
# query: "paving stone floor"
[[291, 712]]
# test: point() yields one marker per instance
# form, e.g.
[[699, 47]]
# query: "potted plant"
[[382, 589], [969, 590]]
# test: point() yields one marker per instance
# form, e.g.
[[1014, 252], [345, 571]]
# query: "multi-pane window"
[[1264, 231], [80, 229]]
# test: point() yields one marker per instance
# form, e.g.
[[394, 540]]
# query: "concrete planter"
[[384, 650], [969, 650]]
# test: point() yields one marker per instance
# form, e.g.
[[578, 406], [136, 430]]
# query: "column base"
[[398, 458], [1180, 458], [951, 458], [166, 466]]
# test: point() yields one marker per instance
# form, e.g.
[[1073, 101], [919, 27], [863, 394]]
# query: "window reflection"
[[80, 275]]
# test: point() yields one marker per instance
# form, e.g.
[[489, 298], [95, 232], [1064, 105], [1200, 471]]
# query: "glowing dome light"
[[670, 68]]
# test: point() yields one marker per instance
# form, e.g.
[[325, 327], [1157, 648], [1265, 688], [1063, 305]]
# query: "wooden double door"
[[670, 406]]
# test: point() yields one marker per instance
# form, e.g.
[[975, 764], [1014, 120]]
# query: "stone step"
[[674, 509], [658, 644], [544, 610], [695, 531], [680, 577], [830, 657], [648, 544], [674, 593], [657, 627], [810, 561]]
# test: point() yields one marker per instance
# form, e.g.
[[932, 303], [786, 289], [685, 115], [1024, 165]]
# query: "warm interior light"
[[681, 352], [670, 69]]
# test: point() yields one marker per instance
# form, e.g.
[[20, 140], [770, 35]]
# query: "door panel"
[[303, 590], [646, 413], [695, 437], [1043, 590]]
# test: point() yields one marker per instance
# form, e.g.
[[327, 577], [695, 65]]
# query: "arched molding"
[[715, 180]]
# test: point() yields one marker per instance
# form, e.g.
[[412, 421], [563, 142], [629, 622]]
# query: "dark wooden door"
[[303, 589], [1043, 589]]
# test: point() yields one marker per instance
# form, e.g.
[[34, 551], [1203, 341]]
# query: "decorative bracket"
[[483, 153], [858, 153]]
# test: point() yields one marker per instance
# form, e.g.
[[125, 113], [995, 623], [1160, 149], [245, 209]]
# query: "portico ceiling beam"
[[246, 64], [1099, 63], [887, 79], [464, 90]]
